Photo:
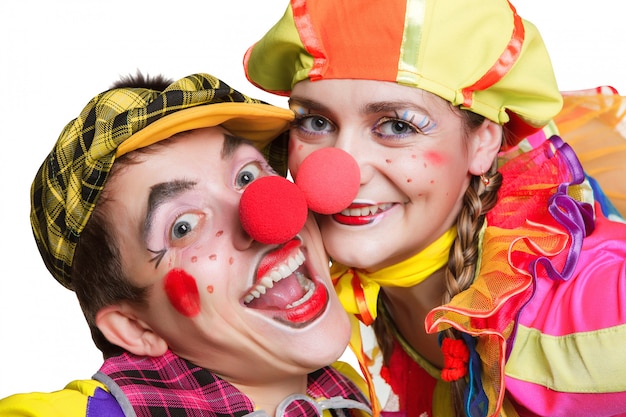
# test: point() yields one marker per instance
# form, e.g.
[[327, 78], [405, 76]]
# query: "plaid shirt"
[[171, 386]]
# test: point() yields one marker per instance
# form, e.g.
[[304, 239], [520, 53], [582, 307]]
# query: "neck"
[[408, 307], [267, 395]]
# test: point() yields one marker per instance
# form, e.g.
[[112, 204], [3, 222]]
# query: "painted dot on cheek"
[[231, 261], [300, 147], [414, 156], [213, 257], [182, 291], [194, 259], [219, 233], [409, 180], [388, 161], [209, 289], [432, 181]]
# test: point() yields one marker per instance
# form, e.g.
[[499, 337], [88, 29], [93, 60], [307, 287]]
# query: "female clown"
[[476, 250]]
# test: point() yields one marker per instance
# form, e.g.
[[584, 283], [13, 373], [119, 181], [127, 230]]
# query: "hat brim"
[[259, 123]]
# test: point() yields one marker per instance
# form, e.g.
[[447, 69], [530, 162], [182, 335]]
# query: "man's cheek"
[[182, 291]]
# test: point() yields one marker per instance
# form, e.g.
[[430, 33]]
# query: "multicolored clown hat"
[[479, 55], [66, 188]]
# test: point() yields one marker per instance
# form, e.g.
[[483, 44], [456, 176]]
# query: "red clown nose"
[[330, 180], [272, 210]]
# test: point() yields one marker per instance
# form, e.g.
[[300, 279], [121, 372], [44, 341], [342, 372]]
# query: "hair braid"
[[464, 252]]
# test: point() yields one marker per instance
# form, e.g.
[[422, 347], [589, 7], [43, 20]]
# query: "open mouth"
[[361, 214], [286, 289]]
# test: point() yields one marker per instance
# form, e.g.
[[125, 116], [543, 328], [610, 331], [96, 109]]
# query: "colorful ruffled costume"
[[545, 311]]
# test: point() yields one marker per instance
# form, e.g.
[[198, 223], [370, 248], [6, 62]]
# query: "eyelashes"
[[158, 256]]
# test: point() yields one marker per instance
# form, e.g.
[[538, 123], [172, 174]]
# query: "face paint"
[[182, 291], [434, 158]]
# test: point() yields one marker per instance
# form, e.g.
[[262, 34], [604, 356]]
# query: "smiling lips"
[[283, 288], [361, 214]]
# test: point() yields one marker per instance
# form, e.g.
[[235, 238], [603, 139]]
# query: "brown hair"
[[462, 262], [98, 276]]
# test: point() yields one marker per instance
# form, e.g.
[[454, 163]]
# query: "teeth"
[[308, 286], [366, 211], [276, 274], [267, 282]]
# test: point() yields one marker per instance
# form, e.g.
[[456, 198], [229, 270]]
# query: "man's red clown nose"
[[273, 210]]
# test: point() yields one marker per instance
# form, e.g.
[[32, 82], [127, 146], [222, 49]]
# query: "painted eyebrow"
[[231, 144], [389, 106], [160, 194]]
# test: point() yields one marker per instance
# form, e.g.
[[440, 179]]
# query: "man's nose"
[[272, 210]]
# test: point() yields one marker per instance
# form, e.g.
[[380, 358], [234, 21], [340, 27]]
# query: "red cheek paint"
[[414, 156], [219, 233], [409, 180], [209, 289], [434, 158], [231, 261], [194, 259], [213, 257], [388, 161], [182, 291]]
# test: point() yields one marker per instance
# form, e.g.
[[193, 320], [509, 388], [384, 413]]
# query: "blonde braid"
[[464, 252]]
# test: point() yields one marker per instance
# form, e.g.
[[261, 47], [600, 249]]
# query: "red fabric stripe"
[[503, 64], [364, 313]]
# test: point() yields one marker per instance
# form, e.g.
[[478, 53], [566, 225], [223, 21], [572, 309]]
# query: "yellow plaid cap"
[[66, 188]]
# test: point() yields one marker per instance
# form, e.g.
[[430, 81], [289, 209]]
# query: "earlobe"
[[128, 332], [488, 141]]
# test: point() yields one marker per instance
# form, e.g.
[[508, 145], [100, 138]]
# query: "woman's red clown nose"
[[273, 210]]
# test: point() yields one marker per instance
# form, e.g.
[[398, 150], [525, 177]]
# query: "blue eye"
[[396, 127], [247, 174], [184, 225], [314, 124]]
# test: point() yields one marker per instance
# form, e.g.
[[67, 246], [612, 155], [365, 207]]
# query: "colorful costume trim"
[[536, 232]]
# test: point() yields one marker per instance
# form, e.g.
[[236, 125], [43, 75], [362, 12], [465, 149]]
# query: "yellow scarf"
[[358, 289]]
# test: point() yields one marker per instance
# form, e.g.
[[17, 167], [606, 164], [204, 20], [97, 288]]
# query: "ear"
[[486, 143], [123, 329]]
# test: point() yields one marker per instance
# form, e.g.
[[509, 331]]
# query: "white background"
[[56, 55]]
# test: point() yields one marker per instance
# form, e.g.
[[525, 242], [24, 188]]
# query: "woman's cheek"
[[182, 292]]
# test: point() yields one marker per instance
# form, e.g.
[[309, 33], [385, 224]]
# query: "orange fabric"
[[593, 122], [347, 42]]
